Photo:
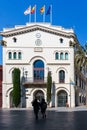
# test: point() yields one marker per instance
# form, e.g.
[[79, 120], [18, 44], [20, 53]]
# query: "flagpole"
[[35, 15], [44, 14], [30, 15], [51, 15]]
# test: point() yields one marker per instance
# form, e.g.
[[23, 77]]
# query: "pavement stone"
[[57, 119]]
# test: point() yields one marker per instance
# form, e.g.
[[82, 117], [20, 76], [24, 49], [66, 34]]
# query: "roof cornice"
[[26, 29]]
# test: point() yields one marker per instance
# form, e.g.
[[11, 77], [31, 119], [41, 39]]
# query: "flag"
[[49, 10], [42, 9], [27, 11], [33, 9]]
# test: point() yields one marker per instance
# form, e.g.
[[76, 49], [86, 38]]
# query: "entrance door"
[[39, 95], [62, 98]]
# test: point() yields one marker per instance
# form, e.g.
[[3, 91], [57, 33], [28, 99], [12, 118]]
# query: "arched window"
[[10, 55], [56, 56], [14, 39], [61, 56], [61, 76], [14, 55], [19, 55], [66, 56], [38, 70], [61, 40]]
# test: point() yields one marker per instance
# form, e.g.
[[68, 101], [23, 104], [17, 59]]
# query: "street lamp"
[[26, 73]]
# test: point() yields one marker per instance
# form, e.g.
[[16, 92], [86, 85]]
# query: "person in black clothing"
[[43, 106], [36, 107]]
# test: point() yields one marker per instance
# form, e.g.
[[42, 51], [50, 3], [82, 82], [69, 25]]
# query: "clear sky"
[[65, 13]]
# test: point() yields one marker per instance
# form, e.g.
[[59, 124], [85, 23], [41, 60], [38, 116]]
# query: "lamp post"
[[26, 73], [70, 94], [24, 79]]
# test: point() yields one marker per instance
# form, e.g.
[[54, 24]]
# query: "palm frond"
[[3, 43]]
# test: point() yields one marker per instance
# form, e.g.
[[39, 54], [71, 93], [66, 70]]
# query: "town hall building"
[[36, 49]]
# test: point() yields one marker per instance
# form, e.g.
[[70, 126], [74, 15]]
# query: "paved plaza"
[[57, 119]]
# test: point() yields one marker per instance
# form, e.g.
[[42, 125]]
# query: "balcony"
[[34, 82]]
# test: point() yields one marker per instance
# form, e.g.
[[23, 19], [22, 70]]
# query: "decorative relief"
[[38, 42], [38, 35], [38, 49]]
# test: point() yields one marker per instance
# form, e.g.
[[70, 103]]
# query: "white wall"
[[26, 44]]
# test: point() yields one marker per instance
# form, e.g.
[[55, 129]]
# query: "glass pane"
[[61, 56], [61, 76], [14, 55], [19, 55], [10, 55], [62, 98], [56, 56], [38, 70], [66, 56], [38, 64]]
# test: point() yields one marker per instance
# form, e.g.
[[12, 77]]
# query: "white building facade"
[[36, 49]]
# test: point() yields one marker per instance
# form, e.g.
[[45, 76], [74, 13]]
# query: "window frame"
[[56, 55], [61, 76]]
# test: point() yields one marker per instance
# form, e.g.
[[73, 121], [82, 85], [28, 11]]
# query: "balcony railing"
[[30, 80]]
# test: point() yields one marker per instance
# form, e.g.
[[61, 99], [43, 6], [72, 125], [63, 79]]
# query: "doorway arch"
[[62, 98], [38, 94], [11, 100]]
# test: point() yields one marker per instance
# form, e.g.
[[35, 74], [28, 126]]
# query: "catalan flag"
[[42, 9], [33, 9]]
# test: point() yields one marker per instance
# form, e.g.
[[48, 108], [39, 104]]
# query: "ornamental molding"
[[27, 29]]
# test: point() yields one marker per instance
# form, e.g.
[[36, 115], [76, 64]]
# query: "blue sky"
[[65, 13]]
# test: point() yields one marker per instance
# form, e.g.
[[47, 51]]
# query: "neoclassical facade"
[[36, 49]]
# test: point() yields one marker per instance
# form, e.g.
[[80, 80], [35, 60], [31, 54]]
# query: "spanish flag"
[[33, 9], [42, 9]]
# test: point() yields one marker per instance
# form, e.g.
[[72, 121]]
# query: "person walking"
[[36, 107], [43, 106]]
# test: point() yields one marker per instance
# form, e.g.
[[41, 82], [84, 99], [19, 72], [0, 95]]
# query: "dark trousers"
[[36, 113]]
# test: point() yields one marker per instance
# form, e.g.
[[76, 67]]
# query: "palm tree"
[[85, 49], [72, 43], [81, 57], [3, 43]]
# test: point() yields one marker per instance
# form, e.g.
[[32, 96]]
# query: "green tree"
[[81, 57], [49, 84], [16, 93]]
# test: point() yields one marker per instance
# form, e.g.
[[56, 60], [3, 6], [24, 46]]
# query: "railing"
[[33, 80]]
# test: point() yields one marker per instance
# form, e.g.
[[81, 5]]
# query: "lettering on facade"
[[38, 49]]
